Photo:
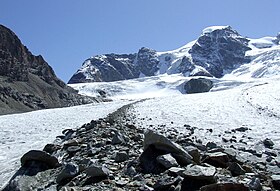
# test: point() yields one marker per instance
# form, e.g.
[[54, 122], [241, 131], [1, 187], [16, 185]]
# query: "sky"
[[67, 32]]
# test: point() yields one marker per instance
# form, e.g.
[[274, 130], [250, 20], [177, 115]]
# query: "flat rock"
[[167, 161], [218, 159], [95, 170], [199, 172]]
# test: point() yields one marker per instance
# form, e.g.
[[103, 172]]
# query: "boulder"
[[236, 169], [196, 176], [41, 156], [121, 156], [217, 159], [203, 173], [69, 171], [95, 170], [164, 144], [198, 85], [268, 143]]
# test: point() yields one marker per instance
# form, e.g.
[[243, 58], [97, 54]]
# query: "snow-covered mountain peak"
[[219, 50], [214, 28]]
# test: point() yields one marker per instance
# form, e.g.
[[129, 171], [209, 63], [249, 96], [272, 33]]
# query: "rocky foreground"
[[113, 154]]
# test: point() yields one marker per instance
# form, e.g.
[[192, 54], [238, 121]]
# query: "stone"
[[276, 181], [225, 187], [118, 139], [164, 183], [41, 156], [69, 171], [73, 149], [167, 161], [177, 171], [95, 170], [198, 172], [121, 156], [198, 85], [255, 184], [196, 176], [164, 144], [51, 148], [194, 152], [236, 169], [217, 159], [268, 143]]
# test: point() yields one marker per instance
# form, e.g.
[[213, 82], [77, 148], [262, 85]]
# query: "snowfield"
[[23, 132], [232, 103]]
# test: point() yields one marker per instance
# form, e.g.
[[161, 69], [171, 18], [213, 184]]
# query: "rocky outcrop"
[[27, 82], [198, 85], [113, 154], [220, 50]]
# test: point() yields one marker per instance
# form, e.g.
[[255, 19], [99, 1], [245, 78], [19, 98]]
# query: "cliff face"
[[27, 82]]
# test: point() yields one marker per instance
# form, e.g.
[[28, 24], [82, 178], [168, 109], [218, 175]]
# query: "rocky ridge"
[[27, 82], [115, 154], [216, 52]]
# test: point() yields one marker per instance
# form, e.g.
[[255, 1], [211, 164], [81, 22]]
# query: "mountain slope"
[[219, 50], [27, 82]]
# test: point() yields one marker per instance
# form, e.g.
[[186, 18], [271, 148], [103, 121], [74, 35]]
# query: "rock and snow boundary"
[[117, 153]]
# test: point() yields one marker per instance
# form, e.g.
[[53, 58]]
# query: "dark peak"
[[145, 49]]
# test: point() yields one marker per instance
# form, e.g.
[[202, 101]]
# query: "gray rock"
[[41, 156], [194, 152], [225, 187], [198, 85], [276, 181], [268, 143], [255, 184], [217, 159], [67, 173], [118, 139], [95, 170], [162, 143], [121, 156], [236, 169], [196, 176], [200, 172], [167, 161]]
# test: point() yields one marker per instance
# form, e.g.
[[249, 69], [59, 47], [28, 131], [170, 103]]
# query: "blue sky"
[[66, 32]]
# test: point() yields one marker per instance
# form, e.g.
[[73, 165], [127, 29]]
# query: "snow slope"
[[255, 105], [22, 132]]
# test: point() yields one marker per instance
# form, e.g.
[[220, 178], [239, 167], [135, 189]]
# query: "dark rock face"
[[108, 67], [27, 82], [199, 85], [147, 61], [220, 50], [215, 53]]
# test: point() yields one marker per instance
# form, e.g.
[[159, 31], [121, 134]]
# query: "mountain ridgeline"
[[27, 82], [217, 51]]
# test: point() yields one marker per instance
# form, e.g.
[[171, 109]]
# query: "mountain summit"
[[219, 50], [27, 82]]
